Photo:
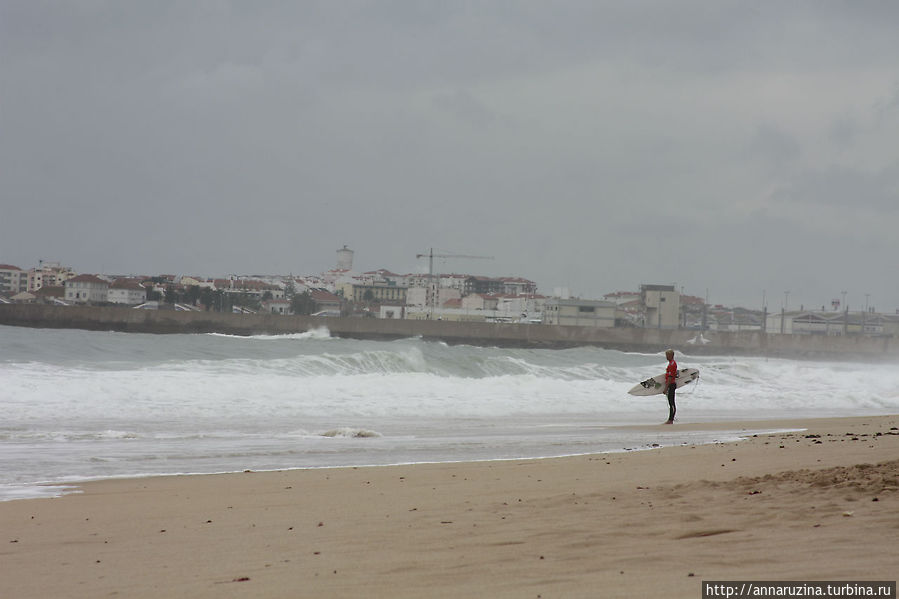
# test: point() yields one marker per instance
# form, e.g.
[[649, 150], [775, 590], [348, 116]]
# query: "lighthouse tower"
[[344, 258]]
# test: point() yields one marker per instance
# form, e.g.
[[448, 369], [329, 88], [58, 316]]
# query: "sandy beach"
[[815, 504]]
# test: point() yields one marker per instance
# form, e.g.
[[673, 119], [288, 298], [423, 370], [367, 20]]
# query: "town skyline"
[[773, 302]]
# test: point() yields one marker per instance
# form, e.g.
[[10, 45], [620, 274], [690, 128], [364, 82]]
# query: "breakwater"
[[472, 333]]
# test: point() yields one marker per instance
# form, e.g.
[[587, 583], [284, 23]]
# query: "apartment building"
[[48, 273], [376, 293], [13, 280], [425, 296], [518, 286]]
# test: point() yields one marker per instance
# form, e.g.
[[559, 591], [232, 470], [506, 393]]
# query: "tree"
[[245, 300], [171, 294], [192, 295], [302, 304], [207, 298]]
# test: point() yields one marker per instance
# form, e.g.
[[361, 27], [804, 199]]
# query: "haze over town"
[[743, 151]]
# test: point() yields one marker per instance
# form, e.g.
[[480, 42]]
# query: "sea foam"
[[81, 404]]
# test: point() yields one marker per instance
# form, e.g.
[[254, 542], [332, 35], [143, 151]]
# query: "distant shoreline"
[[645, 340]]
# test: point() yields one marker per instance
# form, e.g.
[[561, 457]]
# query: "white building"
[[662, 306], [84, 289], [424, 296], [392, 312], [579, 312], [828, 323], [480, 301], [277, 306], [521, 308], [453, 282], [126, 291], [421, 280], [382, 275]]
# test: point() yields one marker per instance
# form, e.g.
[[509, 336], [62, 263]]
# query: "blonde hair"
[[669, 353]]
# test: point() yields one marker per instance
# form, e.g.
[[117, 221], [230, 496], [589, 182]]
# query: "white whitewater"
[[80, 405]]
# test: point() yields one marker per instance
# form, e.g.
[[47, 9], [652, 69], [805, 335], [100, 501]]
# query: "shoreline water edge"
[[811, 504]]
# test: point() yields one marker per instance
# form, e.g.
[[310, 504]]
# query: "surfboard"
[[656, 384]]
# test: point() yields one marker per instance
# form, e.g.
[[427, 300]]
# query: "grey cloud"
[[847, 189], [465, 107], [843, 131], [587, 144], [778, 149]]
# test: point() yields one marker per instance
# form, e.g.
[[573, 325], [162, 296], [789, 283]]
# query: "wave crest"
[[350, 433]]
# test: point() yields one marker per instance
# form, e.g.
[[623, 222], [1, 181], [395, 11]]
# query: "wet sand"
[[821, 504]]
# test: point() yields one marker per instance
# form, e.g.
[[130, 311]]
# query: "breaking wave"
[[81, 404]]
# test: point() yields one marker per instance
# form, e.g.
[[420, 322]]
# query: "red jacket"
[[671, 372]]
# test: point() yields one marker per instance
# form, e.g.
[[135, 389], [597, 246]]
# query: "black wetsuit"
[[670, 378], [672, 409]]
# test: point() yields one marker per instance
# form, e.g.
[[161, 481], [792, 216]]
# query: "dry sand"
[[821, 504]]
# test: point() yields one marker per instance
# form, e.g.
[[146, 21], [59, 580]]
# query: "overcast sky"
[[739, 149]]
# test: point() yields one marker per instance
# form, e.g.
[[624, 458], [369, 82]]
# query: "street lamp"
[[865, 316]]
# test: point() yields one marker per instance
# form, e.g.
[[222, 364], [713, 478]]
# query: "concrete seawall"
[[472, 333]]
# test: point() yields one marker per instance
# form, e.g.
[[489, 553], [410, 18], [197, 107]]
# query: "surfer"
[[670, 384]]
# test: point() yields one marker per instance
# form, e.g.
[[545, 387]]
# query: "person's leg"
[[672, 408]]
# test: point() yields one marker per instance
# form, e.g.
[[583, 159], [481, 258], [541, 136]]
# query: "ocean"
[[81, 405]]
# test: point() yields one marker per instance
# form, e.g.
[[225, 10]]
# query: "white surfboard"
[[656, 384]]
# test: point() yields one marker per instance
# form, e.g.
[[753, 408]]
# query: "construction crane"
[[430, 256]]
